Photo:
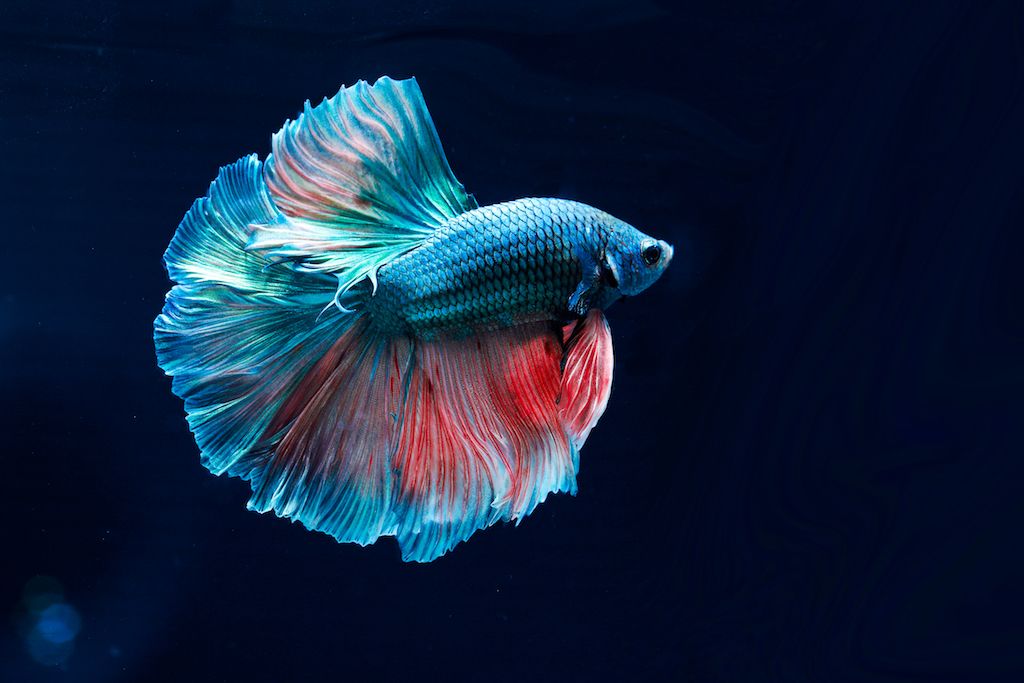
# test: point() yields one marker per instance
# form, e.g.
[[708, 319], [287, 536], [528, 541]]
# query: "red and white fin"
[[430, 441], [587, 376]]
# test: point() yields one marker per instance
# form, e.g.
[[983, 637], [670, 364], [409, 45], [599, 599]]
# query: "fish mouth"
[[667, 251]]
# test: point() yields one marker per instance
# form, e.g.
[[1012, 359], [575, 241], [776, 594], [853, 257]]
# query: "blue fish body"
[[374, 352], [499, 266]]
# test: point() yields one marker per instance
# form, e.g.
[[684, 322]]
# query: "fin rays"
[[236, 335], [429, 441], [361, 178]]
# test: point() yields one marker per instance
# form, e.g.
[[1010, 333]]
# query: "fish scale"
[[492, 267]]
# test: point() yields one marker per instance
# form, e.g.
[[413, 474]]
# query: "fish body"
[[374, 352], [496, 266]]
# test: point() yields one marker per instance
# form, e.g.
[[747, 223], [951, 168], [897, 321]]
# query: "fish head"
[[635, 260]]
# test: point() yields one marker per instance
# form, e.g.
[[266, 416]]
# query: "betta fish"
[[374, 352]]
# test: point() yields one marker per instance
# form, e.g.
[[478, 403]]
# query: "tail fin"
[[235, 334]]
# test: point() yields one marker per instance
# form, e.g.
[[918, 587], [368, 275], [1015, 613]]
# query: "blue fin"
[[236, 333], [361, 178]]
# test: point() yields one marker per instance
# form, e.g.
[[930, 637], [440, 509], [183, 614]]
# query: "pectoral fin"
[[596, 274], [579, 300]]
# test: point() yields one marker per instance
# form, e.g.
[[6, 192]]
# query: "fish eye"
[[651, 254]]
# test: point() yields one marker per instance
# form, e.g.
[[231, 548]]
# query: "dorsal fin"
[[360, 178]]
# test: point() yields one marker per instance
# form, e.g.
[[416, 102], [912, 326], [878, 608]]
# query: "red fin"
[[433, 440], [587, 376], [481, 437]]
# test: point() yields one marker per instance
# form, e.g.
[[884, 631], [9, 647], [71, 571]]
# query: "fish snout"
[[667, 251]]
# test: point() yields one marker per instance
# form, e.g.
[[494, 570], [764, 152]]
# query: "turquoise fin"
[[361, 179], [236, 333]]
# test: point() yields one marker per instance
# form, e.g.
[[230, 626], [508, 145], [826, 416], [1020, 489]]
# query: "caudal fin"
[[236, 335]]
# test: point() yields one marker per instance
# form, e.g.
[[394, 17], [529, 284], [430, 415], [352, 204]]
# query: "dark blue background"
[[811, 465]]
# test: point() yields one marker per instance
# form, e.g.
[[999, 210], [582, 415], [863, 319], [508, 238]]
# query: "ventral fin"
[[586, 375]]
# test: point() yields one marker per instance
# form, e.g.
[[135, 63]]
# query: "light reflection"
[[48, 624]]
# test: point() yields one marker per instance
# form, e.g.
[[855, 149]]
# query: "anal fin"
[[431, 441]]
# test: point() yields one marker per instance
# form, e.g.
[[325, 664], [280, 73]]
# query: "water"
[[810, 466]]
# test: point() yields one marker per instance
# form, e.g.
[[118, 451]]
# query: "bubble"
[[47, 623], [58, 623]]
